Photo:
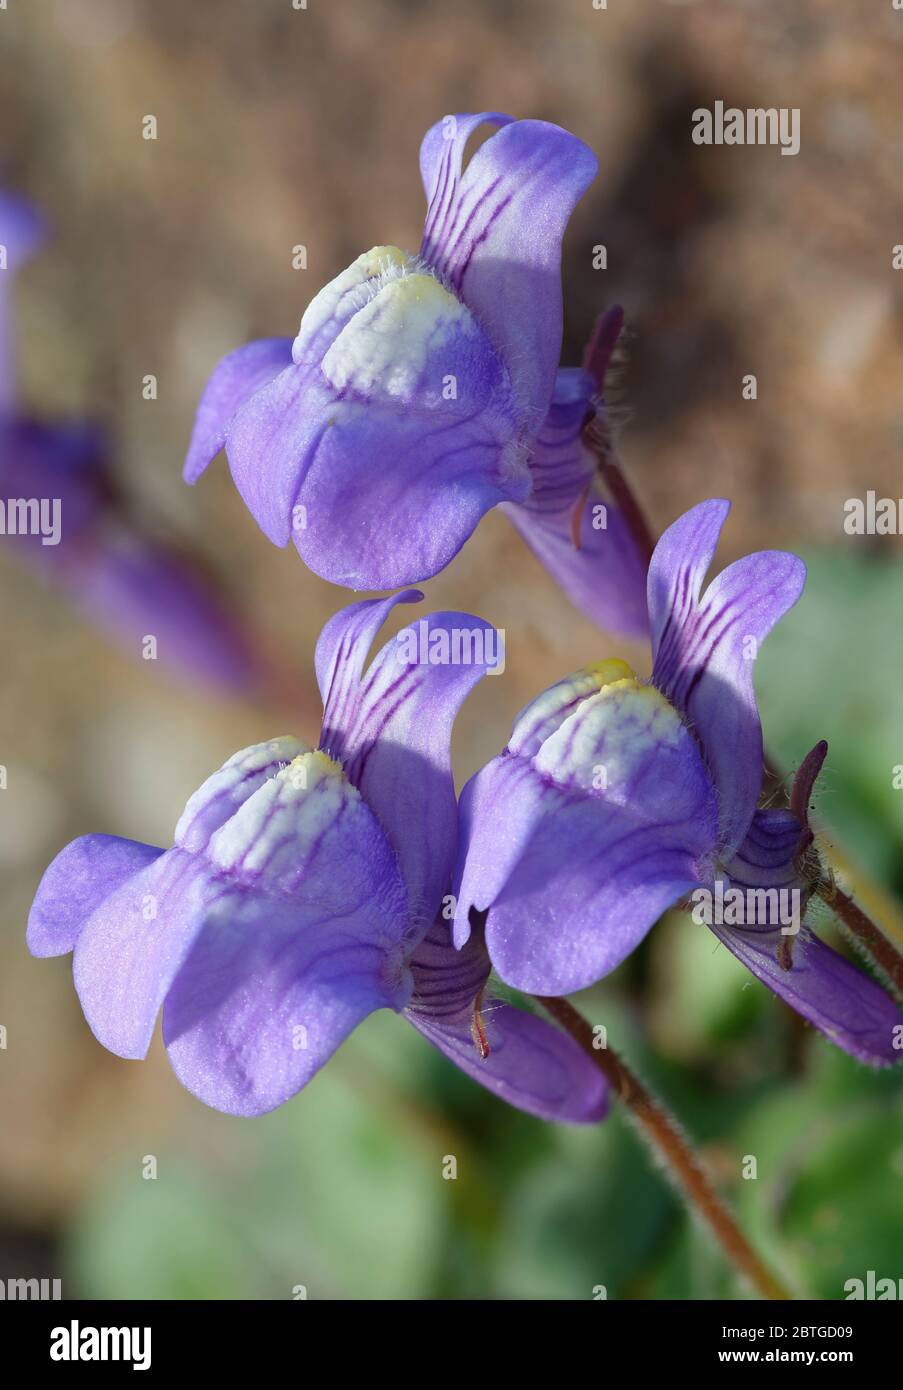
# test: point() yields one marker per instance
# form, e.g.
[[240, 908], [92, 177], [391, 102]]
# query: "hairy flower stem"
[[863, 933], [664, 1133]]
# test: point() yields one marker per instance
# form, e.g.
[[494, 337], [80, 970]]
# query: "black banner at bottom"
[[66, 1336]]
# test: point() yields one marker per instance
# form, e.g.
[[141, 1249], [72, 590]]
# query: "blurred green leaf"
[[833, 668], [594, 1216], [353, 1177], [825, 1203], [172, 1239], [700, 993], [341, 1191], [693, 1268]]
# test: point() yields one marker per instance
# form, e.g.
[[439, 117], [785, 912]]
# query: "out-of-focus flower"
[[62, 515], [411, 400], [303, 892], [21, 233], [615, 798]]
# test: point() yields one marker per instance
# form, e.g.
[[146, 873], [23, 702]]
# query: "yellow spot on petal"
[[423, 289], [316, 760], [310, 768], [387, 346], [328, 766], [379, 258], [611, 670]]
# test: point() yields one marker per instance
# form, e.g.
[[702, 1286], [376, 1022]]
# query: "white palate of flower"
[[344, 296], [631, 730], [387, 347], [238, 778], [272, 832]]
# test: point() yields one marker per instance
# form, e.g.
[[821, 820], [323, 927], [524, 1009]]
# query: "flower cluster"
[[303, 891], [308, 887]]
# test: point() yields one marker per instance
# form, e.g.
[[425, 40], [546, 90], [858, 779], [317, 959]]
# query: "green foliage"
[[592, 1215], [701, 994], [833, 668], [156, 1239], [340, 1191], [826, 1199]]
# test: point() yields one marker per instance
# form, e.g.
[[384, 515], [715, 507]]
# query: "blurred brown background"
[[279, 126]]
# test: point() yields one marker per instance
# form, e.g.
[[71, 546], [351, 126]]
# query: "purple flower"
[[615, 798], [61, 514], [301, 894], [581, 536], [411, 400]]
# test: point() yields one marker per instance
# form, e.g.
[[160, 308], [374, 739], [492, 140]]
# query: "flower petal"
[[600, 569], [132, 945], [129, 588], [332, 308], [342, 650], [560, 464], [303, 840], [539, 719], [287, 835], [234, 380], [274, 434], [605, 578], [841, 1001], [586, 888], [531, 1064], [766, 857], [377, 473], [574, 872], [705, 649], [272, 988], [498, 807], [309, 934], [67, 461], [678, 568], [497, 243], [441, 156], [76, 883], [389, 502], [226, 790], [393, 738]]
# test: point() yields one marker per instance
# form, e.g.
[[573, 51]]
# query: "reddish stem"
[[666, 1138], [864, 933]]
